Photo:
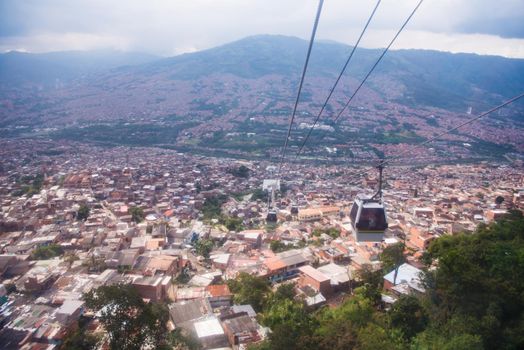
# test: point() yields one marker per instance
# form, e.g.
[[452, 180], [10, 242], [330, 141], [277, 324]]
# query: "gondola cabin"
[[368, 220], [271, 216]]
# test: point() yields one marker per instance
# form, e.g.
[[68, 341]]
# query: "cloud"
[[172, 27]]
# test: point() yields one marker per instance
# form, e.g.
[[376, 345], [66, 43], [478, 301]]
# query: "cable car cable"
[[339, 77], [313, 33], [370, 71]]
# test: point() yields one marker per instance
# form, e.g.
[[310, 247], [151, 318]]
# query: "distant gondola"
[[271, 216]]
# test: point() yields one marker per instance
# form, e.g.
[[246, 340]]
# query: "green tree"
[[372, 282], [285, 291], [47, 252], [204, 247], [290, 324], [392, 257], [83, 213], [408, 315], [478, 285], [499, 200], [241, 171], [131, 324], [248, 289], [137, 214], [80, 340]]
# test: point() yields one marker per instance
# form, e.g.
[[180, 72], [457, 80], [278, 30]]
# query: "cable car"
[[271, 216], [368, 220], [271, 186], [368, 216]]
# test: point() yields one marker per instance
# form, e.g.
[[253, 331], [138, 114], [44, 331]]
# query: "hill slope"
[[249, 86]]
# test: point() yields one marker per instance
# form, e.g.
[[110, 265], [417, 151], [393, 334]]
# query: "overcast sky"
[[171, 27]]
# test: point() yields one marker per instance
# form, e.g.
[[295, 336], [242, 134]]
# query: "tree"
[[204, 247], [248, 289], [290, 324], [241, 171], [285, 291], [82, 213], [371, 281], [499, 200], [47, 252], [131, 324], [137, 214], [392, 257], [478, 285], [212, 207], [408, 315]]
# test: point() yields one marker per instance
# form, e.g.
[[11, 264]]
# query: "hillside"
[[249, 86]]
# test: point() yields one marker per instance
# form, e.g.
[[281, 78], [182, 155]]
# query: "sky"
[[172, 27]]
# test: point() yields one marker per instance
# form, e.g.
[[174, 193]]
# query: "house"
[[154, 288], [70, 311], [319, 282], [408, 280], [219, 295], [210, 333], [284, 265], [184, 312], [241, 330]]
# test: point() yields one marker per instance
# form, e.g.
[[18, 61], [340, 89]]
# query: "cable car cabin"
[[271, 216], [368, 220]]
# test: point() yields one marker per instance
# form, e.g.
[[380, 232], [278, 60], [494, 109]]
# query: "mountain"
[[19, 68], [248, 86]]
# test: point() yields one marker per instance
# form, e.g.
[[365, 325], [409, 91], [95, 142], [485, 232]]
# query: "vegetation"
[[204, 247], [330, 231], [392, 257], [130, 323], [83, 213], [137, 214], [231, 223], [47, 252], [473, 300], [29, 185], [252, 290], [241, 171], [212, 208], [79, 339], [259, 194], [278, 246]]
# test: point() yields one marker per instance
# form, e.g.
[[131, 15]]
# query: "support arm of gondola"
[[380, 168]]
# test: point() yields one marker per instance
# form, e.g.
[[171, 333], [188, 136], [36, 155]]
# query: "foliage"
[[204, 247], [80, 340], [179, 340], [392, 257], [137, 214], [480, 282], [231, 223], [259, 194], [499, 200], [330, 231], [248, 289], [47, 252], [29, 184], [371, 281], [408, 316], [131, 324], [285, 291], [241, 171], [83, 213], [278, 246], [212, 207]]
